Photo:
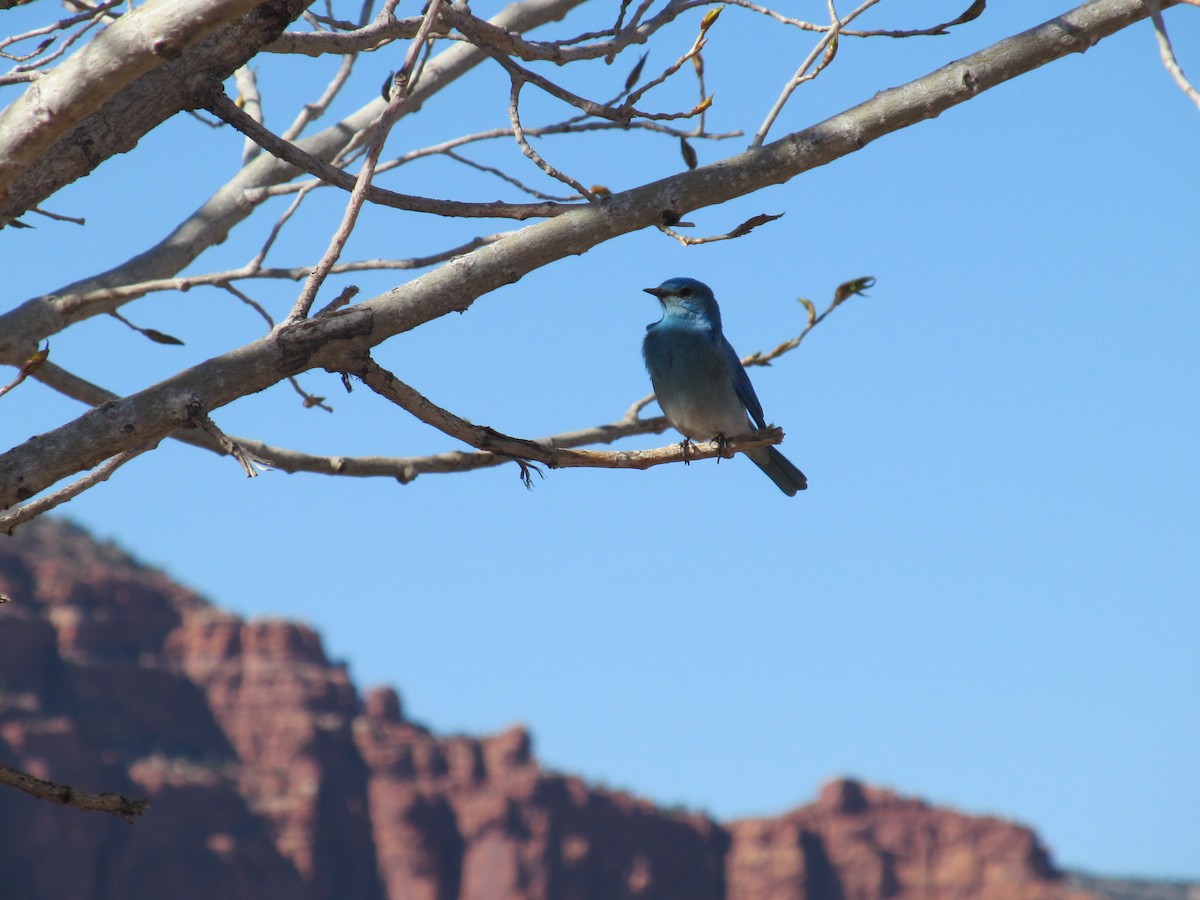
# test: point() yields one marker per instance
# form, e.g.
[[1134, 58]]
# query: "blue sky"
[[988, 595]]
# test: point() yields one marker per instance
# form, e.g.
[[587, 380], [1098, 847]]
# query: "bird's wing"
[[743, 387]]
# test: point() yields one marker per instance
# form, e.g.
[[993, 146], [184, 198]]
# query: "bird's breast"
[[693, 384]]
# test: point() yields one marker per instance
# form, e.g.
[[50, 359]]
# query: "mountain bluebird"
[[699, 380]]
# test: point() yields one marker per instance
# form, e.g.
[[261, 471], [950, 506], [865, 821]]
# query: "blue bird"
[[700, 381]]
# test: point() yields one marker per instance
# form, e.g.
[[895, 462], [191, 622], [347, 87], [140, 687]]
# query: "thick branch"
[[48, 502], [325, 341], [108, 95], [140, 41]]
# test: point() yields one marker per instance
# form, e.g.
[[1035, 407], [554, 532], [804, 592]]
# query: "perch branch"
[[517, 449]]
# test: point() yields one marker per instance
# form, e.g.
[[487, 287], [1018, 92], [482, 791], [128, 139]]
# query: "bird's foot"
[[722, 447], [685, 445]]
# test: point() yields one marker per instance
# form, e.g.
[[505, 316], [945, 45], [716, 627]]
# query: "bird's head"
[[688, 297]]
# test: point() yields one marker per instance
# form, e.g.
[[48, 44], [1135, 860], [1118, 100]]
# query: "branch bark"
[[151, 64], [122, 807]]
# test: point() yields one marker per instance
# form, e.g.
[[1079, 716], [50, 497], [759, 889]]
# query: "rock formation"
[[270, 777]]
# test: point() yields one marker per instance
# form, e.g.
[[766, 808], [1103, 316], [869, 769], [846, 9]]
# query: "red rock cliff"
[[270, 777]]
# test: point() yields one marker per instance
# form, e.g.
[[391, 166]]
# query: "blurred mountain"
[[1136, 888], [270, 776]]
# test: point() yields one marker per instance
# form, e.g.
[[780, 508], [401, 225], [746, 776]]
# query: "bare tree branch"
[[740, 231], [252, 271], [224, 108], [391, 113], [141, 41], [514, 116], [22, 328], [165, 72], [61, 25], [29, 367], [383, 30], [825, 48], [1168, 53], [328, 341], [405, 469], [555, 456], [623, 114], [316, 109], [41, 56], [575, 125], [50, 501], [250, 100], [122, 807]]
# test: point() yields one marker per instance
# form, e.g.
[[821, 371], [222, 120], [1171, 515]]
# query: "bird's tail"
[[779, 469]]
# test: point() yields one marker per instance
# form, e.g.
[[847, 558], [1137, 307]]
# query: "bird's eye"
[[685, 292]]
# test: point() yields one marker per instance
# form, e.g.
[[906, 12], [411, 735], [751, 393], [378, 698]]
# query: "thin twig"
[[247, 458], [43, 60], [406, 468], [741, 230], [122, 807], [573, 125], [225, 109], [623, 114], [504, 176], [693, 51], [74, 302], [102, 473], [383, 30], [802, 74], [58, 217], [60, 25], [29, 367], [854, 288], [1168, 52], [514, 116], [402, 85], [403, 469], [250, 100], [255, 264], [479, 31], [250, 302], [312, 111]]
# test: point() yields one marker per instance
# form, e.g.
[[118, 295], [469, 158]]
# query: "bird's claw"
[[722, 447], [685, 445]]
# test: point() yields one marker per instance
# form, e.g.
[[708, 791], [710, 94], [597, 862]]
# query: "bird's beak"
[[657, 292]]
